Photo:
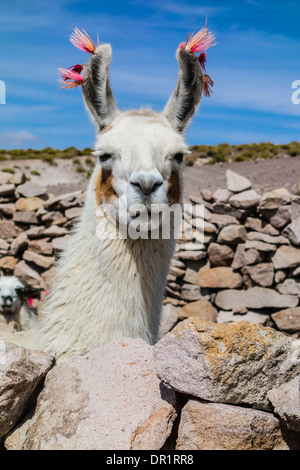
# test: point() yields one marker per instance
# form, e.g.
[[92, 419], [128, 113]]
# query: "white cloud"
[[17, 139]]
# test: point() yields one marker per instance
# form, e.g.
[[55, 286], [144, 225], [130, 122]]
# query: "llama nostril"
[[146, 183]]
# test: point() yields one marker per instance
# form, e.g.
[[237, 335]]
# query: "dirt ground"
[[264, 174]]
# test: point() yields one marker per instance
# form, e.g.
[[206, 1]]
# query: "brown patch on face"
[[104, 188], [174, 188]]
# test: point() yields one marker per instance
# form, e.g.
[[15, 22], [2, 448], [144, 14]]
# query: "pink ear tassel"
[[82, 41], [71, 77], [31, 301], [207, 84], [200, 42]]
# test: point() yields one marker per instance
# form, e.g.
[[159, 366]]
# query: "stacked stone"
[[248, 266], [34, 228]]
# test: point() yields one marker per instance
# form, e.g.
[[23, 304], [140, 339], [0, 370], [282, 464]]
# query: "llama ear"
[[186, 97], [96, 88]]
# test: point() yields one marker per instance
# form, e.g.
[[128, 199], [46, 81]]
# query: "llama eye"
[[104, 157], [178, 157]]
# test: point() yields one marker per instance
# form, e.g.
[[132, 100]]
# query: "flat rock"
[[19, 244], [31, 189], [169, 318], [266, 238], [7, 209], [235, 363], [29, 204], [286, 257], [41, 246], [254, 298], [232, 234], [260, 225], [8, 263], [107, 399], [292, 231], [221, 195], [73, 213], [260, 246], [42, 261], [237, 183], [288, 319], [220, 255], [286, 402], [278, 217], [55, 231], [245, 200], [7, 189], [191, 255], [25, 217], [21, 370], [27, 275], [8, 229], [190, 292], [215, 426], [201, 308], [224, 208], [252, 317], [289, 286], [221, 220], [262, 274], [220, 278], [243, 257], [275, 199]]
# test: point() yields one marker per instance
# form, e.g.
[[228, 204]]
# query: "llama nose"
[[6, 300], [146, 182]]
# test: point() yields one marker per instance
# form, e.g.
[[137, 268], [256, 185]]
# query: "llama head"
[[11, 294], [140, 153]]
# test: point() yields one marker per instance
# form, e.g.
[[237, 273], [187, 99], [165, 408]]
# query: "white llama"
[[109, 288]]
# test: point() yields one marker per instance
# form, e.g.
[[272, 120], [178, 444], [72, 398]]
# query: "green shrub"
[[8, 170], [35, 172]]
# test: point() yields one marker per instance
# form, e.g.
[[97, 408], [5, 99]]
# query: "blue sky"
[[253, 66]]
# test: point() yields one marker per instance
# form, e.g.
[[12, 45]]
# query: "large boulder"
[[235, 363], [21, 370], [107, 399]]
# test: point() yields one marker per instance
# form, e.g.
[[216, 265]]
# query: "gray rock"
[[25, 217], [221, 220], [278, 217], [42, 261], [107, 399], [243, 257], [289, 287], [286, 257], [215, 426], [245, 200], [189, 292], [232, 234], [235, 363], [292, 231], [224, 208], [169, 318], [21, 370], [31, 189], [262, 274], [7, 189], [252, 317], [73, 213], [60, 243], [19, 244], [264, 237], [260, 225], [275, 199], [55, 231], [7, 209], [288, 319], [254, 298], [221, 195], [27, 275], [237, 183], [8, 229], [286, 402], [260, 246], [220, 255]]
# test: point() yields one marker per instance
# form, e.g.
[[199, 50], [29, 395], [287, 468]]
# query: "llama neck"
[[104, 289]]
